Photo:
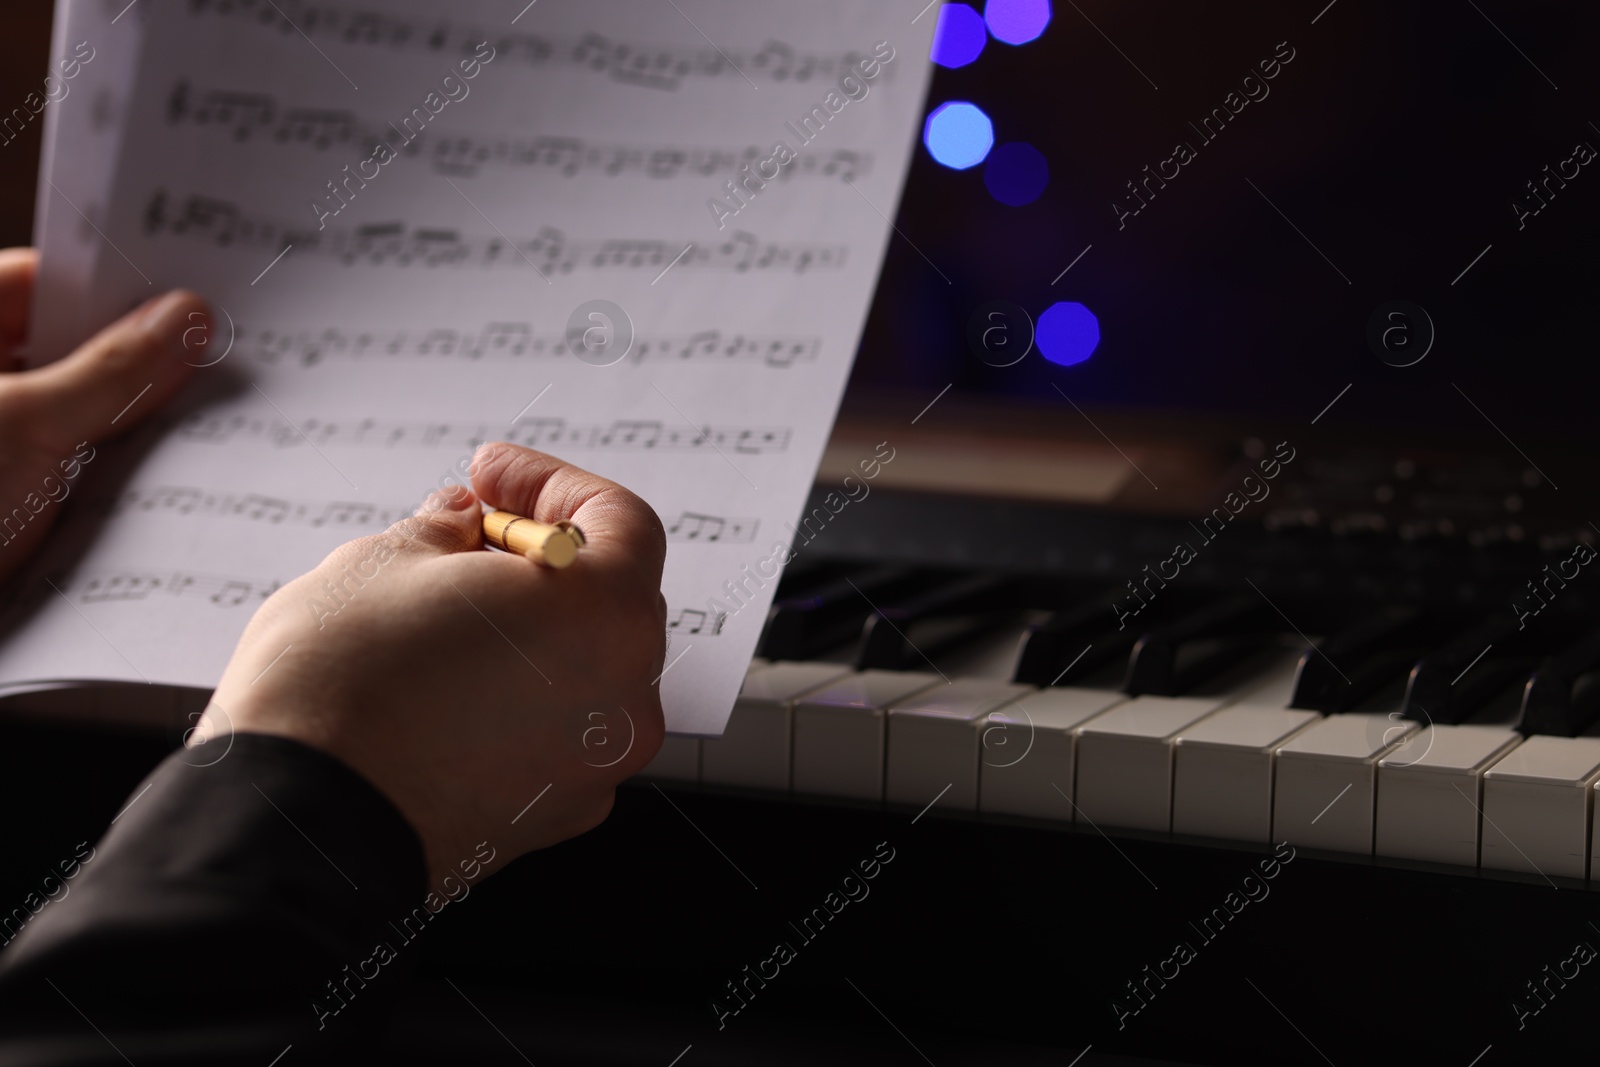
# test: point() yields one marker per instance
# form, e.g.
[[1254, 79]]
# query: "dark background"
[[24, 61], [1396, 139]]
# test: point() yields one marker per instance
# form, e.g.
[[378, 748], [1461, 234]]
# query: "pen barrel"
[[554, 546]]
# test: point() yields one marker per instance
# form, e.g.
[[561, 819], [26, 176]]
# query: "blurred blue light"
[[1067, 333], [959, 36], [1016, 173], [958, 134], [1016, 21]]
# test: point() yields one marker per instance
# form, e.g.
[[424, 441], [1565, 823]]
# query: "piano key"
[[1266, 679], [1448, 684], [840, 731], [1124, 775], [679, 757], [1551, 702], [935, 741], [754, 749], [1223, 771], [1594, 845], [992, 654], [1357, 661], [833, 612], [1537, 804], [1327, 780], [1424, 789], [1173, 658], [1029, 751], [969, 607], [1079, 638]]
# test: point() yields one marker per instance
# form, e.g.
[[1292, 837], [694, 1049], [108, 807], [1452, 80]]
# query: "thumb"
[[116, 378], [449, 520]]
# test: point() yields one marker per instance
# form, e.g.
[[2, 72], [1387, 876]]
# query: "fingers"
[[18, 266], [616, 524], [113, 381]]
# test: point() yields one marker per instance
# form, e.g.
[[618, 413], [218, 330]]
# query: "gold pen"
[[554, 546]]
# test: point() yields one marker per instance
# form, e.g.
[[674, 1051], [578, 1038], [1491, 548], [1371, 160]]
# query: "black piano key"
[[1079, 638], [1554, 701], [1448, 684], [833, 613], [967, 607], [1346, 668], [1171, 659]]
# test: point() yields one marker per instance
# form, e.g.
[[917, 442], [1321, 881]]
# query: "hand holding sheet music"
[[405, 222]]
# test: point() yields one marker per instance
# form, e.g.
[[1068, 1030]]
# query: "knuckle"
[[423, 531], [117, 351]]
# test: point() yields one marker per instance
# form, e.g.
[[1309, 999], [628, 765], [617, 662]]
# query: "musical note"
[[655, 67], [502, 339], [183, 501], [242, 111], [255, 507], [207, 218], [383, 243], [694, 526], [545, 434], [694, 621], [506, 340], [266, 508], [232, 593], [311, 125], [687, 526], [91, 587], [119, 587]]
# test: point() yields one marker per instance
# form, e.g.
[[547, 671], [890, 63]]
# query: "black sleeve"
[[231, 910]]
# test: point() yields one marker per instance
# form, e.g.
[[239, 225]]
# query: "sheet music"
[[404, 219]]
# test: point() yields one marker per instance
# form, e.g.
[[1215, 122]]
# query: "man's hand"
[[465, 684], [51, 418]]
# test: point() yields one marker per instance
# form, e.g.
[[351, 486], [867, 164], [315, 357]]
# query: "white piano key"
[[1028, 751], [992, 655], [1594, 847], [1537, 804], [1125, 760], [1327, 777], [935, 739], [840, 730], [754, 748], [1429, 792], [1266, 680], [1223, 769], [679, 757]]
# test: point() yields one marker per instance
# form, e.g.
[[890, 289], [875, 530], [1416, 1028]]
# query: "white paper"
[[430, 313]]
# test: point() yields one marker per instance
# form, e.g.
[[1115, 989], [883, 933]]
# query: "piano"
[[1266, 704], [1226, 696]]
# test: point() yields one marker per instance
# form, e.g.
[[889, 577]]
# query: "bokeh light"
[[958, 134], [959, 36], [1016, 173], [1067, 333], [1016, 21]]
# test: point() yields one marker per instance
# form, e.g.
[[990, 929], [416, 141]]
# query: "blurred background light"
[[1016, 173], [1016, 21], [1067, 333], [958, 134], [959, 36]]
